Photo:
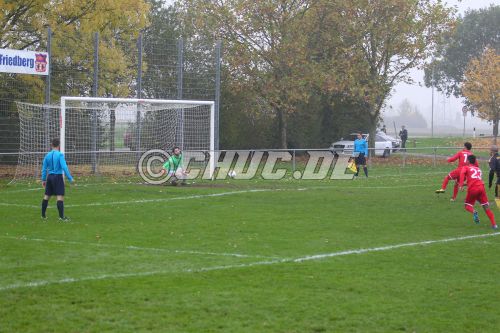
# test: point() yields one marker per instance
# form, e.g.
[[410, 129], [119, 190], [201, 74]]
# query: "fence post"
[[139, 93], [180, 67], [48, 87], [218, 50], [404, 158], [95, 87], [434, 159], [293, 161], [46, 100], [49, 74], [180, 83]]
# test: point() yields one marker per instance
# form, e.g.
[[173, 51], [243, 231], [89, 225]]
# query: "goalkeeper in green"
[[173, 166]]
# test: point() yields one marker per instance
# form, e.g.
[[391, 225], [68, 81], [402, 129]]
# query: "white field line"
[[142, 184], [201, 196], [410, 174], [140, 201], [363, 187], [188, 197], [137, 248], [25, 190], [40, 188], [9, 204], [40, 283]]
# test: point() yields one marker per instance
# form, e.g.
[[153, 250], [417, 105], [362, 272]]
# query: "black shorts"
[[361, 159], [54, 185]]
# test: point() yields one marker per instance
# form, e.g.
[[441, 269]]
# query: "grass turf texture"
[[211, 263]]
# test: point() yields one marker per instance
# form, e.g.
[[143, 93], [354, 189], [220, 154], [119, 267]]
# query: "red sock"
[[470, 209], [445, 182], [455, 191], [490, 216]]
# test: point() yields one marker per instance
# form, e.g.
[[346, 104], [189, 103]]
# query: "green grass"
[[225, 263]]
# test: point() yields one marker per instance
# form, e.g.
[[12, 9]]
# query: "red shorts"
[[476, 194], [455, 174]]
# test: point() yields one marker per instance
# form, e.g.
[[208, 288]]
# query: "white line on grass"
[[9, 204], [198, 196], [244, 265], [138, 248], [140, 201], [25, 190], [143, 184], [201, 196], [107, 184]]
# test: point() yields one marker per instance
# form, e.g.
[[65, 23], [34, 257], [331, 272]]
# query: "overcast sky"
[[445, 109]]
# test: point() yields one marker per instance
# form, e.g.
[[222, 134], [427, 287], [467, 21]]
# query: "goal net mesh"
[[108, 138]]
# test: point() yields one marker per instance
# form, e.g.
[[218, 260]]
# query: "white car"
[[383, 145], [396, 143]]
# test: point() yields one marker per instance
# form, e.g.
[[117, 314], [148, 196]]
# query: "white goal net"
[[107, 136]]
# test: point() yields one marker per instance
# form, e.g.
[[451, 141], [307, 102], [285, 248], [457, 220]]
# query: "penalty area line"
[[141, 201], [323, 256], [137, 248], [213, 195]]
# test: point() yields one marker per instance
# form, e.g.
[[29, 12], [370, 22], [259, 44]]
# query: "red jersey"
[[473, 175], [461, 156]]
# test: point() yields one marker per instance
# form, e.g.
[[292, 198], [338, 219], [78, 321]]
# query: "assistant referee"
[[54, 164]]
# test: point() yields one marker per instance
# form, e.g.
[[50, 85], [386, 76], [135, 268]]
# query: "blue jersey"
[[361, 146], [55, 164]]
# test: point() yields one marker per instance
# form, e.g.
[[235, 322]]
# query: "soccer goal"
[[107, 136]]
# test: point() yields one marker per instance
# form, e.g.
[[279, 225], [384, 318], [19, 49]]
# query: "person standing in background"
[[494, 163], [403, 134]]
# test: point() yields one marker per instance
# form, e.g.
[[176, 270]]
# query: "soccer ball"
[[231, 173]]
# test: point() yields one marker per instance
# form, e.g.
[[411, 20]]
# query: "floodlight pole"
[[432, 102]]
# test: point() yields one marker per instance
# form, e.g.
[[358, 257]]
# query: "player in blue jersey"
[[53, 167], [361, 152]]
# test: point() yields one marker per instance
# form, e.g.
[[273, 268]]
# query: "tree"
[[376, 42], [292, 52], [481, 87], [160, 51], [23, 25], [408, 115], [472, 34], [264, 49]]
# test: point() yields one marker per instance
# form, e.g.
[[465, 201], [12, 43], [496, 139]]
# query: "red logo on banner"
[[40, 62]]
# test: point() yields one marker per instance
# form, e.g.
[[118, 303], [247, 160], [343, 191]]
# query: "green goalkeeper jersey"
[[173, 163]]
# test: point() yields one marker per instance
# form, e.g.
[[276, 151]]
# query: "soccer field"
[[383, 254]]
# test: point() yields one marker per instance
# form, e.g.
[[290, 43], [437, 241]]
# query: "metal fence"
[[161, 69]]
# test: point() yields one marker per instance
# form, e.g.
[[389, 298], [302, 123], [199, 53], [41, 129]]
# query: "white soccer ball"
[[231, 173]]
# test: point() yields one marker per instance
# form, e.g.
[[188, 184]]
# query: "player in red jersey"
[[461, 156], [475, 190]]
